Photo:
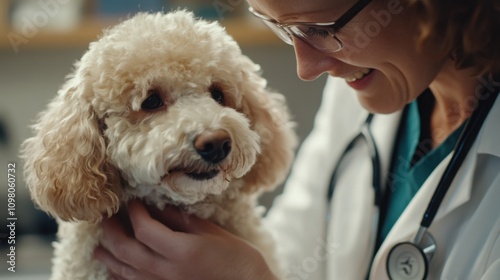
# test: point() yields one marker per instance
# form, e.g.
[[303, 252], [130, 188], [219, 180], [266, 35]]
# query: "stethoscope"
[[410, 260]]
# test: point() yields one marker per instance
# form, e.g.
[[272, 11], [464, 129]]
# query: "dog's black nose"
[[213, 146]]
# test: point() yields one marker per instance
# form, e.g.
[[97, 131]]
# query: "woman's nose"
[[311, 63]]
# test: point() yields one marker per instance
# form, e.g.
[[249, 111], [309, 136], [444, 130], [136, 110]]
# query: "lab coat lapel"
[[486, 143], [352, 228], [491, 139], [408, 224], [459, 193], [384, 129], [405, 228]]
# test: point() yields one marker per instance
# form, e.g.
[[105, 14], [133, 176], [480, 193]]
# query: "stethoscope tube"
[[365, 134], [375, 158], [464, 143], [410, 260], [423, 247]]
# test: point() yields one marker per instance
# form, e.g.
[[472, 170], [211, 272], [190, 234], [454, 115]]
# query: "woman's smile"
[[360, 80]]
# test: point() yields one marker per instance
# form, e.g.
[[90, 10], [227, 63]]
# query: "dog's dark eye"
[[217, 94], [152, 102]]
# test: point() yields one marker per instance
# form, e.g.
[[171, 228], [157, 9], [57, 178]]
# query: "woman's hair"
[[468, 30]]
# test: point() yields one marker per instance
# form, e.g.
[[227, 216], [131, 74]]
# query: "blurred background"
[[39, 42]]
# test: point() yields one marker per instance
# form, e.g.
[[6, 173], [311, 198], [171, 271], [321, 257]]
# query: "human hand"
[[158, 244]]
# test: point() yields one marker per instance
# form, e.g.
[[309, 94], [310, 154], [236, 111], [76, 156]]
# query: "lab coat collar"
[[490, 136], [486, 143], [458, 194]]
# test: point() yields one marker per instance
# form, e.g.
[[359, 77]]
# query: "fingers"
[[180, 220], [151, 232], [120, 245], [119, 270], [158, 235], [164, 245], [115, 267], [172, 217]]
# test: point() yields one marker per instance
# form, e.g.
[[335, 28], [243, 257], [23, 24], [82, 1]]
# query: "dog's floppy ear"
[[269, 117], [66, 166]]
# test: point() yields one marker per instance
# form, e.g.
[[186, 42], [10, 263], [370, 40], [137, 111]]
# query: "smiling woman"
[[422, 71]]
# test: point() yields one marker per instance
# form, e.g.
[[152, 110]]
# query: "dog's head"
[[161, 102]]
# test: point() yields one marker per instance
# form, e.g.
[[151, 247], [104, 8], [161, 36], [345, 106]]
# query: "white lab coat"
[[466, 228]]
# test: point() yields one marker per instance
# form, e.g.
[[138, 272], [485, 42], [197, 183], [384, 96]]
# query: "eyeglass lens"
[[280, 32], [316, 36]]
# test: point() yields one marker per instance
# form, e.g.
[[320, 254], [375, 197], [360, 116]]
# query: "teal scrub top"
[[413, 160]]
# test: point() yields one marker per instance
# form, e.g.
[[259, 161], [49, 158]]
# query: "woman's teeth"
[[358, 75]]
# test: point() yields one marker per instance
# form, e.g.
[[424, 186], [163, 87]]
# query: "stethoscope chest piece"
[[407, 261], [410, 261]]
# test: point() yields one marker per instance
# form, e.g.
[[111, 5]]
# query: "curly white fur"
[[95, 147]]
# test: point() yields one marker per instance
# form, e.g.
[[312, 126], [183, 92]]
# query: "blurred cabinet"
[[28, 24]]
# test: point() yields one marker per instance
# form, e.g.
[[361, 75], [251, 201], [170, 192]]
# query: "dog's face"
[[172, 102], [166, 103]]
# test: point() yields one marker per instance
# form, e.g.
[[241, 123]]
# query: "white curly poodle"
[[166, 108]]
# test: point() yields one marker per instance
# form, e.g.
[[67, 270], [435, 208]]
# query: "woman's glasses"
[[320, 36]]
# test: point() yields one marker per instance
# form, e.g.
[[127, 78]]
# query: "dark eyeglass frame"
[[335, 26]]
